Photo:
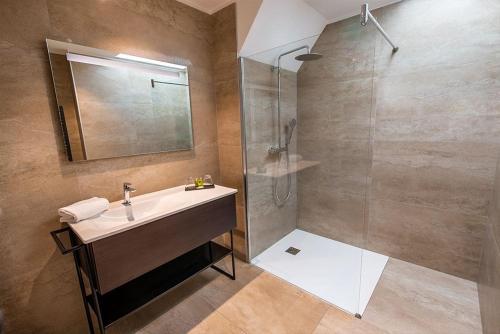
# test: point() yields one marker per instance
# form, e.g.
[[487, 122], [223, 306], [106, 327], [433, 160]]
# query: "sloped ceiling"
[[282, 25], [336, 10], [279, 22], [332, 10], [267, 28], [246, 12], [207, 6]]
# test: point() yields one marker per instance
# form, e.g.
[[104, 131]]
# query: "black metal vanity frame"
[[129, 297]]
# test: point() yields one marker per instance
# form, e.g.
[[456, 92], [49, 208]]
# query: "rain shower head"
[[308, 56]]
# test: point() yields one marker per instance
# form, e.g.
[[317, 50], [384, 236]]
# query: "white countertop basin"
[[145, 209]]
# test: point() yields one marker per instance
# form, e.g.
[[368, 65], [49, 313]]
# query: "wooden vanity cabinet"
[[122, 257]]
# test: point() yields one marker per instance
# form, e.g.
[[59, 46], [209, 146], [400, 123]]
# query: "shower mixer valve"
[[276, 150]]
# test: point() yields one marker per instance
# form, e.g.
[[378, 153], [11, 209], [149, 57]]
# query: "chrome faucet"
[[127, 189]]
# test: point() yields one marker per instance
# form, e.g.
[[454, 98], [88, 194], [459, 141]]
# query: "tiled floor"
[[408, 299]]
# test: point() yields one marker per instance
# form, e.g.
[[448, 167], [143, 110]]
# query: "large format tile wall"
[[226, 77], [430, 114], [489, 274], [268, 222], [38, 286], [334, 107]]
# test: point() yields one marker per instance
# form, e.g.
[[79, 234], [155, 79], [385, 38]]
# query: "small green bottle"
[[198, 182]]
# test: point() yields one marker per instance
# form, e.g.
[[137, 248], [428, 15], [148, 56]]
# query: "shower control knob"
[[276, 150]]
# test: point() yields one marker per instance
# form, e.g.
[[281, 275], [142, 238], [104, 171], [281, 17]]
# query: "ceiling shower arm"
[[281, 148], [292, 51]]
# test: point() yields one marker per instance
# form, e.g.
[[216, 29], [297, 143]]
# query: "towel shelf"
[[64, 250]]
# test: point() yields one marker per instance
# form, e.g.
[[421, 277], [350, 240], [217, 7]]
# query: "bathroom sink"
[[137, 210], [145, 209], [141, 208]]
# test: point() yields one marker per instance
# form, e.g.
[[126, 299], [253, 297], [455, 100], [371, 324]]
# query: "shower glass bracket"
[[366, 15]]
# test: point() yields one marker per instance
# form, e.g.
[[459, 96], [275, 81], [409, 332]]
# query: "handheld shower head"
[[289, 130]]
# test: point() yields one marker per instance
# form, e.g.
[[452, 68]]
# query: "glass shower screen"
[[307, 146]]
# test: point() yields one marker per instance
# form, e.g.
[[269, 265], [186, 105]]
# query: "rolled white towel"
[[82, 210]]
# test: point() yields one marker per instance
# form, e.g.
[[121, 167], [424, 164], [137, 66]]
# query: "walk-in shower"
[[279, 149], [306, 191]]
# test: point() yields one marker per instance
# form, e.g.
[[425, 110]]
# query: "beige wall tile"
[[451, 176], [439, 239], [426, 129], [438, 41], [17, 26], [227, 98], [489, 273], [489, 284], [332, 213], [35, 176], [494, 208]]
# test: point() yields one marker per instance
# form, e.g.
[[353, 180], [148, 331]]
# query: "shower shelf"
[[295, 166], [262, 87]]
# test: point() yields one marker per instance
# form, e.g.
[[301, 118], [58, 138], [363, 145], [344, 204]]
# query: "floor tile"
[[412, 299], [216, 323], [270, 305], [336, 321], [408, 299]]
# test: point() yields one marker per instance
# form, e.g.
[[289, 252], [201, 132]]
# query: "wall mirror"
[[115, 104]]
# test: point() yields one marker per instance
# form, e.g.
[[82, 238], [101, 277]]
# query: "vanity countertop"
[[145, 209]]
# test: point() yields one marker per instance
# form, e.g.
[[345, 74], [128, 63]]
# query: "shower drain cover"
[[293, 250]]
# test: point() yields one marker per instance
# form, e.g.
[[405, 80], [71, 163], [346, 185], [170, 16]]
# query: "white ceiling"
[[336, 10], [332, 10], [280, 25], [207, 6]]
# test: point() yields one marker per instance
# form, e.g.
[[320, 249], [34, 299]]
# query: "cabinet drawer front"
[[125, 256]]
